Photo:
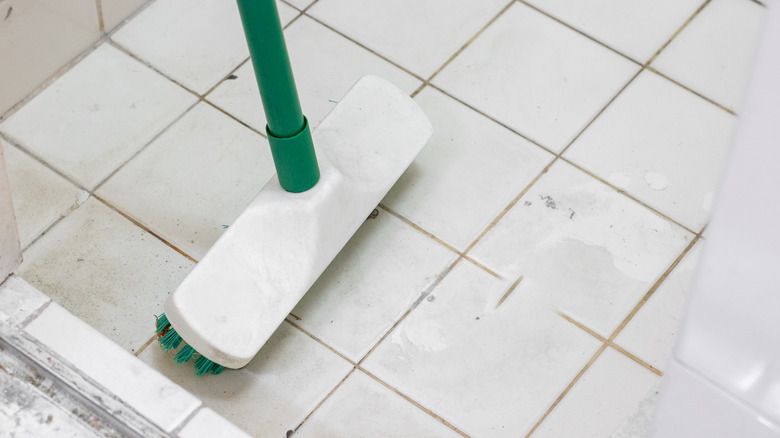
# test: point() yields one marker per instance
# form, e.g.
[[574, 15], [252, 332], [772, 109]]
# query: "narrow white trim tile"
[[97, 115], [273, 393], [208, 424], [590, 251], [192, 182], [326, 65], [378, 275], [662, 144], [195, 42], [636, 29], [151, 394], [40, 196], [466, 175], [418, 35], [651, 333], [19, 299], [107, 271], [713, 55], [609, 391], [363, 407], [536, 76], [487, 370]]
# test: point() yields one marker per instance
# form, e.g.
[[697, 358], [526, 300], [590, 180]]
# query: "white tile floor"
[[525, 277]]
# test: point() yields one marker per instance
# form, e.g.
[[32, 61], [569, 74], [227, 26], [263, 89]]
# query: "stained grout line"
[[509, 291], [234, 118], [151, 66], [677, 32], [558, 20], [327, 396], [101, 22], [412, 401], [363, 46], [491, 118], [615, 332], [567, 389], [627, 195], [143, 227], [609, 343], [320, 341], [437, 239], [690, 90], [146, 344], [470, 41]]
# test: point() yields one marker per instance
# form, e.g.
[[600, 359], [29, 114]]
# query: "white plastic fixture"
[[253, 276]]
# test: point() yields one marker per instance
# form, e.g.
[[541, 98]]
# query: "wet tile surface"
[[593, 252], [661, 144]]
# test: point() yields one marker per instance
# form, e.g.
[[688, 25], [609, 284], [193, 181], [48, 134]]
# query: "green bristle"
[[170, 340], [203, 366], [185, 354], [162, 323]]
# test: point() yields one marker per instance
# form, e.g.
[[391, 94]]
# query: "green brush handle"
[[288, 130]]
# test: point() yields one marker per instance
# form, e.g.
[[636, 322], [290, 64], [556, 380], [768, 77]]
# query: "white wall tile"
[[19, 299], [116, 11]]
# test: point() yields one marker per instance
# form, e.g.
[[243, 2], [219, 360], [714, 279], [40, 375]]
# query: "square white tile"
[[609, 391], [636, 29], [19, 299], [195, 42], [487, 370], [106, 271], [363, 407], [662, 144], [86, 126], [466, 175], [121, 373], [378, 275], [590, 251], [208, 424], [325, 65], [713, 55], [116, 11], [536, 76], [40, 196], [651, 333], [418, 35], [193, 180], [273, 393]]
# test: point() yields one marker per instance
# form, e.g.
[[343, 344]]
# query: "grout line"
[[187, 419], [509, 291], [320, 341], [636, 359], [213, 105], [609, 343], [101, 22], [558, 20], [653, 288], [224, 78], [143, 227], [146, 344], [686, 88], [601, 111], [372, 51], [412, 401], [13, 142], [567, 389], [470, 40], [148, 64], [327, 396], [677, 32], [491, 118], [628, 195]]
